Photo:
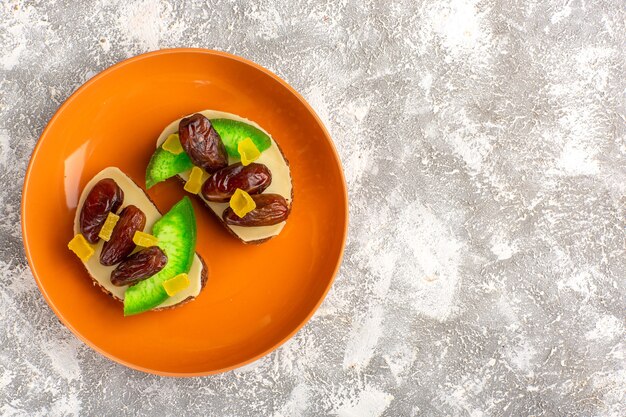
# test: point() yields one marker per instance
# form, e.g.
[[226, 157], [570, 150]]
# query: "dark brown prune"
[[202, 143], [105, 197], [270, 209], [139, 266], [121, 243], [253, 179]]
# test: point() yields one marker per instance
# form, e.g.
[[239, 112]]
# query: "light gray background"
[[484, 147]]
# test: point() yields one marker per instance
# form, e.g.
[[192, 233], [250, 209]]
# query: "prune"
[[202, 143], [105, 197], [121, 243], [270, 209], [253, 179], [139, 266]]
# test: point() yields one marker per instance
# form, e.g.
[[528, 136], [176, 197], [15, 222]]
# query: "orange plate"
[[257, 296]]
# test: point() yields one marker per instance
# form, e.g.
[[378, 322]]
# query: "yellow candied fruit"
[[81, 247], [242, 203], [144, 240], [175, 285], [107, 227], [194, 183], [172, 144], [248, 151]]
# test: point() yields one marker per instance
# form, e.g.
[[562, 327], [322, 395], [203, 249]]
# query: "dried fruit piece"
[[105, 197], [270, 209], [194, 183], [121, 243], [107, 227], [172, 144], [144, 240], [248, 151], [177, 284], [81, 247], [202, 143], [253, 179], [139, 266], [241, 203]]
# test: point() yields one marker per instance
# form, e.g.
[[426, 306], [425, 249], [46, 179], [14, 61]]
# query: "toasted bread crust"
[[204, 275]]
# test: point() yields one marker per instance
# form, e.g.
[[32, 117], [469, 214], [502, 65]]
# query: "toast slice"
[[273, 157], [100, 274]]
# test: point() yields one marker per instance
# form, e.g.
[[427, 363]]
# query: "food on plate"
[[268, 209], [220, 187], [233, 165], [131, 251], [202, 143], [108, 226], [105, 197], [121, 244], [139, 266]]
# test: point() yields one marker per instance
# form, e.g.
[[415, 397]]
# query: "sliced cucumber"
[[176, 232], [164, 165], [233, 131]]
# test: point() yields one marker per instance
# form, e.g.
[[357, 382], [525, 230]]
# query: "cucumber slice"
[[233, 131], [176, 232], [164, 165]]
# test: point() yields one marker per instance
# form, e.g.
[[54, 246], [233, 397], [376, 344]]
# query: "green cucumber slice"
[[176, 232], [164, 165], [233, 131]]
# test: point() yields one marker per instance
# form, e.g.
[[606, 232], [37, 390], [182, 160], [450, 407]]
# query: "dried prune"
[[139, 266], [270, 209], [202, 143], [121, 243], [105, 197], [253, 179]]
